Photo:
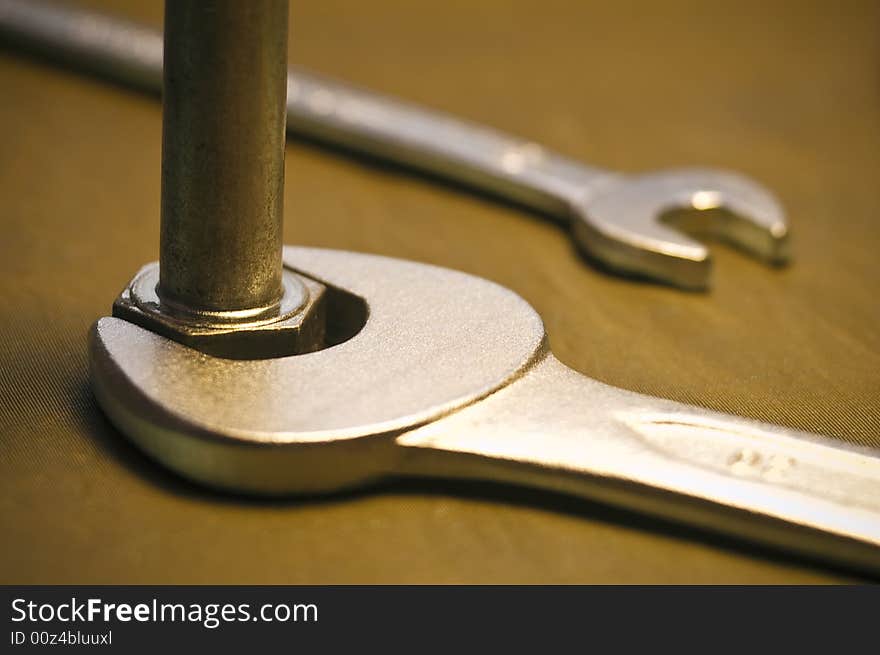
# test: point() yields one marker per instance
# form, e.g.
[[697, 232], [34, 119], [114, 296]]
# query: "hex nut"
[[299, 325]]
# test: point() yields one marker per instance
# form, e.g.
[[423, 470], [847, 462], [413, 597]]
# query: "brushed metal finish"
[[451, 377], [435, 340], [619, 220], [556, 429]]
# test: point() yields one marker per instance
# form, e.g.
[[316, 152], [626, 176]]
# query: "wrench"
[[449, 375], [617, 220]]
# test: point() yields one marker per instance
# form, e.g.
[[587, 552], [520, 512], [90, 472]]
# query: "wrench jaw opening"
[[433, 341], [734, 209], [637, 226], [673, 260]]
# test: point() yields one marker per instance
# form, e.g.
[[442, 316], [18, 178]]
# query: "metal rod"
[[223, 143]]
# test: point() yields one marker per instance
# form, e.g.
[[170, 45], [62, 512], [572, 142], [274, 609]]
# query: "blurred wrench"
[[616, 219]]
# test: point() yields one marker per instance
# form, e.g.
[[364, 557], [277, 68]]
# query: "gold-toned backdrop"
[[786, 92]]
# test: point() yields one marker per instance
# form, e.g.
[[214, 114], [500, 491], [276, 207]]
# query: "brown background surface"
[[786, 92]]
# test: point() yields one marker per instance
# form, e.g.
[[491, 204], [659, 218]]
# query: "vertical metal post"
[[223, 143]]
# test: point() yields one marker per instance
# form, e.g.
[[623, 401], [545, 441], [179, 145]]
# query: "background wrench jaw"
[[637, 224], [616, 226]]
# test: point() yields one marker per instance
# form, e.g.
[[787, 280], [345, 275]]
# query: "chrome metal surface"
[[451, 377], [617, 219]]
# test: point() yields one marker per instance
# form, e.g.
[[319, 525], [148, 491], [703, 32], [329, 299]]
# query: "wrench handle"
[[478, 157], [555, 429], [119, 50], [328, 111]]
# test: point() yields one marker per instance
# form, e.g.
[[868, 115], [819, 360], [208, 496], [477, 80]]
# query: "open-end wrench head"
[[434, 340], [632, 223]]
